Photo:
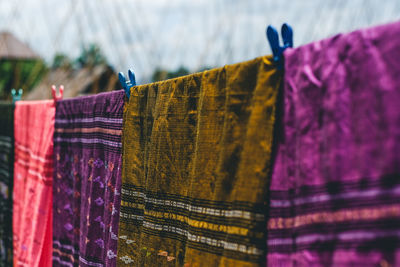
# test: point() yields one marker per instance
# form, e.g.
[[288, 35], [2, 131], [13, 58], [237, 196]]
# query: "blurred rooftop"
[[12, 48], [80, 82]]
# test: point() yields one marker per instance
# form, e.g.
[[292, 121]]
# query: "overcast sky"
[[144, 34]]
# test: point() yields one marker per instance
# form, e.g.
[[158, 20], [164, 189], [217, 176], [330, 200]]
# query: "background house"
[[85, 81], [20, 66]]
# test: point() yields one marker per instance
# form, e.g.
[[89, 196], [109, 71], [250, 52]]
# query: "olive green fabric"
[[196, 160]]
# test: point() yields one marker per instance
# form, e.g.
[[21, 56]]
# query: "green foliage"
[[160, 74], [182, 71], [91, 56], [204, 69], [61, 61], [19, 74], [26, 74]]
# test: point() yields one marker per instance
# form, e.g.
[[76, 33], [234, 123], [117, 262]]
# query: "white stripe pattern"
[[89, 141], [39, 175], [198, 239], [88, 120], [325, 197], [197, 209], [6, 144], [59, 260], [30, 152], [90, 263], [5, 138], [359, 235], [4, 173], [71, 248]]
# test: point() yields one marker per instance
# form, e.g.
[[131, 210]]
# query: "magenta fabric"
[[87, 180], [335, 188]]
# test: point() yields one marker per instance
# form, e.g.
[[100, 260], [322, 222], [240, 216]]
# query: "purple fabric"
[[87, 180], [335, 186]]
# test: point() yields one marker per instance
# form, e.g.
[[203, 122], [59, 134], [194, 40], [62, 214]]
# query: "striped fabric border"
[[99, 130], [346, 215], [212, 226], [40, 168]]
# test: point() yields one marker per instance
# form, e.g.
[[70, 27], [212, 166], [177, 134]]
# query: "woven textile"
[[87, 181], [335, 186], [33, 176], [6, 178], [195, 165]]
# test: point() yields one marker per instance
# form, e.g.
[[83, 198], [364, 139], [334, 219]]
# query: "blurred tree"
[[61, 61], [204, 69], [17, 74], [182, 71], [20, 66], [161, 74], [91, 56]]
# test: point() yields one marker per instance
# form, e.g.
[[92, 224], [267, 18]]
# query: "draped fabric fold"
[[196, 159], [33, 177], [87, 179], [6, 181], [335, 187]]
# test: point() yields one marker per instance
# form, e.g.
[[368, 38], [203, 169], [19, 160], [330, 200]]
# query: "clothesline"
[[267, 162]]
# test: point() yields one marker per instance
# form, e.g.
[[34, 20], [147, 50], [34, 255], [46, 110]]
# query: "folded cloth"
[[335, 186], [195, 165], [33, 177], [87, 181], [6, 181]]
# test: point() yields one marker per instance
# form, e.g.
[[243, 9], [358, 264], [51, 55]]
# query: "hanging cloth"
[[196, 158], [6, 181], [87, 182], [335, 186], [33, 176]]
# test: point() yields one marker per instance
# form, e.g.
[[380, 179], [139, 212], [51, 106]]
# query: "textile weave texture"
[[33, 176], [335, 186], [87, 180], [6, 181], [195, 165]]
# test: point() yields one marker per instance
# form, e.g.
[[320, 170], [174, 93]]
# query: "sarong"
[[87, 180]]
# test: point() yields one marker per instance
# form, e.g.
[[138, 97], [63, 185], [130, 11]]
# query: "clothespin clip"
[[16, 96], [56, 96], [127, 84], [273, 38]]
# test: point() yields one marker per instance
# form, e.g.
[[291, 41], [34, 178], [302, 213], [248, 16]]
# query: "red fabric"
[[33, 176]]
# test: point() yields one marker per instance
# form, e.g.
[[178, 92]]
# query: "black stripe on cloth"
[[239, 222], [104, 125], [385, 244], [95, 135], [254, 238], [82, 115], [99, 146], [224, 205], [291, 211], [333, 188], [207, 248], [336, 227]]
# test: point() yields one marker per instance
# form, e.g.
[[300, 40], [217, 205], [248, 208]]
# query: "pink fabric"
[[33, 176]]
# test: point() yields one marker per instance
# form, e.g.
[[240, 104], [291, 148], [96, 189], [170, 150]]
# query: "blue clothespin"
[[127, 84], [273, 38], [16, 96]]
